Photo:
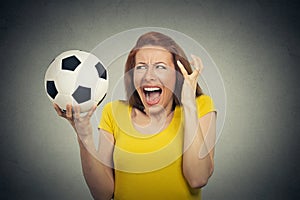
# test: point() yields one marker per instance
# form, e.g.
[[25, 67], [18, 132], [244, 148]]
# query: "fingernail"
[[179, 63]]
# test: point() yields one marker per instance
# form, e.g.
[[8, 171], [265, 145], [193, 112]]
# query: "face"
[[155, 78]]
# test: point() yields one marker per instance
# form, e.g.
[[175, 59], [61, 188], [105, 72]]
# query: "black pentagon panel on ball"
[[101, 70], [51, 89], [82, 94], [70, 63]]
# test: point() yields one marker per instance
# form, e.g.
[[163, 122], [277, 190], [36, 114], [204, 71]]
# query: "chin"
[[155, 109]]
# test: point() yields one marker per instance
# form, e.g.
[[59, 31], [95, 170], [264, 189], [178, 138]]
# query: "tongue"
[[152, 97]]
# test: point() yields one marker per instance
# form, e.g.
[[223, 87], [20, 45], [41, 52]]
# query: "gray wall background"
[[255, 44]]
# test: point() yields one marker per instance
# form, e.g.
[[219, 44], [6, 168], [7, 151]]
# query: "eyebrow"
[[160, 62], [140, 63]]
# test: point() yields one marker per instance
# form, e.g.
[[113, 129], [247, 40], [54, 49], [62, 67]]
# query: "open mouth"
[[152, 95]]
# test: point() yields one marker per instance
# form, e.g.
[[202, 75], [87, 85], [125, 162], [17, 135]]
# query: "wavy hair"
[[166, 42]]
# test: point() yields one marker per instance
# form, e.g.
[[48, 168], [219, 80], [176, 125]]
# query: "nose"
[[150, 74]]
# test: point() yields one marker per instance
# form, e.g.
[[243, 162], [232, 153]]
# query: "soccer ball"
[[78, 78]]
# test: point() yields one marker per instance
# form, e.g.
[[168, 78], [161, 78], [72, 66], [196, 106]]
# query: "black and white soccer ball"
[[78, 78]]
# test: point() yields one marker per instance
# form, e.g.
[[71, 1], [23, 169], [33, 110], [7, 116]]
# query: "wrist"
[[87, 143], [85, 139]]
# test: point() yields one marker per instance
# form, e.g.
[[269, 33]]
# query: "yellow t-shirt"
[[149, 166]]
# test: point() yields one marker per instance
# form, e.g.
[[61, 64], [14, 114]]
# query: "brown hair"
[[161, 40]]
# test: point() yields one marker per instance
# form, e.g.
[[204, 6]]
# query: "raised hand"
[[190, 80]]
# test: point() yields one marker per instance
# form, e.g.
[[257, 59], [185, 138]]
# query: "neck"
[[150, 121], [158, 113]]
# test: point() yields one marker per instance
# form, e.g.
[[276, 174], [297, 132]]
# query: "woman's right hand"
[[81, 123]]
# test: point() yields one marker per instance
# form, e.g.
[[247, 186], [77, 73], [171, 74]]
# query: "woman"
[[159, 143]]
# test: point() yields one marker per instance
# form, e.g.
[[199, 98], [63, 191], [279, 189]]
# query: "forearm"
[[98, 176], [197, 162]]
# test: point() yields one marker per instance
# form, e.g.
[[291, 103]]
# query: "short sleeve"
[[106, 121], [205, 105]]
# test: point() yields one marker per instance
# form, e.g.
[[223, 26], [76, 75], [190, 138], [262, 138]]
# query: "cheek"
[[137, 77], [168, 80]]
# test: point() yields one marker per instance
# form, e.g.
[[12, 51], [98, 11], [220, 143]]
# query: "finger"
[[91, 111], [182, 69], [195, 73], [192, 62], [57, 109], [76, 112], [69, 111], [197, 62]]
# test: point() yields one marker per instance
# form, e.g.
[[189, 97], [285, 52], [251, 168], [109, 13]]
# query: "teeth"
[[151, 89]]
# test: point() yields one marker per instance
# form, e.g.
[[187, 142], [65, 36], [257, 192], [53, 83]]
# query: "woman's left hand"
[[190, 80]]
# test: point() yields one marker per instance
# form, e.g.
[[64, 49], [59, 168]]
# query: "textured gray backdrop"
[[255, 44]]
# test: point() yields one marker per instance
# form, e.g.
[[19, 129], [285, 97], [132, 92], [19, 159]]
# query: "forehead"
[[153, 54]]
